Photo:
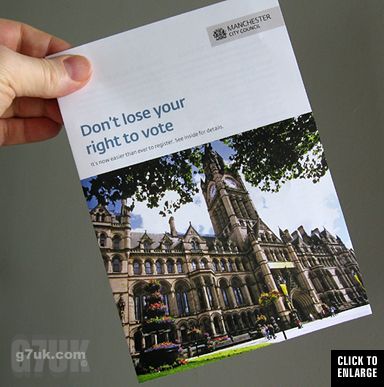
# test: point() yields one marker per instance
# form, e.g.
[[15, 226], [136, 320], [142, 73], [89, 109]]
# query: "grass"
[[199, 361]]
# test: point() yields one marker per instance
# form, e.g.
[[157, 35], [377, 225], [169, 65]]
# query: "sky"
[[299, 202]]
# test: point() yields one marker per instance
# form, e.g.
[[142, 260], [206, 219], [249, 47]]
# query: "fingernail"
[[77, 67]]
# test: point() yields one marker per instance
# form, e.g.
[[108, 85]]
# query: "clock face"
[[212, 191], [230, 182]]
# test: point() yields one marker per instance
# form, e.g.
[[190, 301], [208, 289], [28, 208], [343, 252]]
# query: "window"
[[182, 302], [147, 245], [202, 300], [159, 267], [148, 267], [194, 265], [167, 246], [230, 266], [103, 240], [139, 301], [136, 267], [204, 264], [210, 297], [195, 245], [170, 266], [215, 265], [166, 303], [116, 264], [225, 296], [223, 265], [179, 267], [238, 296], [116, 242]]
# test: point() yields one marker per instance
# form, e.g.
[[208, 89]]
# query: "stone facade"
[[214, 282]]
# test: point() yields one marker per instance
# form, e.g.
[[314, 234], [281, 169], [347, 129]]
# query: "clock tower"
[[229, 205]]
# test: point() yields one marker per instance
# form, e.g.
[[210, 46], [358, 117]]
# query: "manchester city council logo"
[[219, 34]]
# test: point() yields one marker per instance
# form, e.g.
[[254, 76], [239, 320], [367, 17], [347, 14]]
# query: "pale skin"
[[30, 84]]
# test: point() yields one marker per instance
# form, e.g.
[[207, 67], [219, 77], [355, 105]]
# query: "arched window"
[[103, 240], [139, 298], [209, 295], [116, 242], [166, 303], [159, 267], [195, 246], [203, 264], [230, 265], [238, 265], [179, 267], [224, 293], [215, 266], [223, 265], [147, 245], [136, 268], [116, 264], [148, 267], [238, 296], [170, 266], [182, 299], [167, 246], [194, 265]]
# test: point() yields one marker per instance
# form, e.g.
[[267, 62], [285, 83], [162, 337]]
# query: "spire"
[[172, 226], [125, 212], [213, 162]]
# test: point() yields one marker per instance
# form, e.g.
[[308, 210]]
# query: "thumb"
[[46, 78]]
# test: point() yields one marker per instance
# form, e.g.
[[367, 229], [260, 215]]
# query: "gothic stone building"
[[213, 282]]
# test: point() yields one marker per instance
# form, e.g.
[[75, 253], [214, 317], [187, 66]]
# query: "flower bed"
[[160, 354], [158, 324]]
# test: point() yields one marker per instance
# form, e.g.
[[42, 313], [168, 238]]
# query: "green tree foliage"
[[268, 157]]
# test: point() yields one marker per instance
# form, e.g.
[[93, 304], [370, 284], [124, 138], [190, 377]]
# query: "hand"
[[30, 84]]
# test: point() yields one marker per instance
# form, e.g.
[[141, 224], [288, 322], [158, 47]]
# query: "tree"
[[268, 157]]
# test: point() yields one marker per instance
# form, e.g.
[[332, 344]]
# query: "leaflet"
[[208, 189]]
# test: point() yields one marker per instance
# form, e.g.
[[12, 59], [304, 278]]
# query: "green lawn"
[[202, 360]]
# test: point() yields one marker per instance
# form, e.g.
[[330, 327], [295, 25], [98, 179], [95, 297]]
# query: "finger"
[[24, 130], [45, 78], [28, 40], [28, 107]]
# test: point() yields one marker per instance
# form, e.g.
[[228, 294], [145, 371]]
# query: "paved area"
[[308, 327]]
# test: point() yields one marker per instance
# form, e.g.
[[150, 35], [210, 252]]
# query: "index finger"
[[28, 40]]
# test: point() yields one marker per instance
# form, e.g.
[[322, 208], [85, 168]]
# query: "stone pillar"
[[206, 298], [304, 279], [216, 302], [246, 295], [173, 304], [142, 341], [130, 268], [269, 280], [224, 329], [131, 309], [212, 326], [220, 298], [195, 300], [142, 268], [231, 296]]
